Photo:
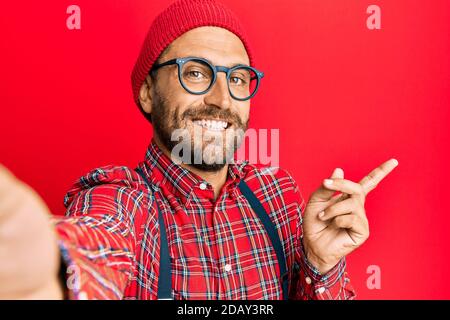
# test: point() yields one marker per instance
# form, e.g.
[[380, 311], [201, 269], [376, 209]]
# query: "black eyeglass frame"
[[215, 69]]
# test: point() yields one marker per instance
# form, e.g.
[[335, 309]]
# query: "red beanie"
[[180, 17]]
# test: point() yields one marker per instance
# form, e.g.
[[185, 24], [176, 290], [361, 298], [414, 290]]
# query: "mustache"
[[213, 112]]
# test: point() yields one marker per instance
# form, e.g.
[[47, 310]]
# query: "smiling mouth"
[[212, 124]]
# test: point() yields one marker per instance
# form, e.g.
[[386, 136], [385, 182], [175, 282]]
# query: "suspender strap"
[[270, 229], [165, 272]]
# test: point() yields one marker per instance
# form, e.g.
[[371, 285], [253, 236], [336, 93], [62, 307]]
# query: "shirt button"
[[321, 290], [228, 267], [203, 185], [308, 280]]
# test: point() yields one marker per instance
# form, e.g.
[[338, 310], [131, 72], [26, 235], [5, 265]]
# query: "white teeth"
[[215, 125]]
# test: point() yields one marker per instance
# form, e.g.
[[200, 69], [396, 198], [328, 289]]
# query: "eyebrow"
[[232, 64]]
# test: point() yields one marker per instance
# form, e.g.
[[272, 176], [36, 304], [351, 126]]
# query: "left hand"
[[334, 226]]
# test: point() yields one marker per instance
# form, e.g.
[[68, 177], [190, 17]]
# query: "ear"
[[145, 95]]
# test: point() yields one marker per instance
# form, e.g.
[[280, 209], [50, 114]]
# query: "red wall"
[[341, 95]]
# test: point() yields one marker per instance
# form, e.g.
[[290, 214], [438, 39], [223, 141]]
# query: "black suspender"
[[165, 273], [165, 270], [272, 232]]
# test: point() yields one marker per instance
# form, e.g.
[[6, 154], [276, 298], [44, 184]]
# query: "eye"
[[237, 81], [195, 74]]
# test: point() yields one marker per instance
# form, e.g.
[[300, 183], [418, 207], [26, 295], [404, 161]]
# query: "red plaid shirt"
[[219, 249]]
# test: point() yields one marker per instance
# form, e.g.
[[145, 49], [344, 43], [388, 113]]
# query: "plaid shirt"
[[219, 249]]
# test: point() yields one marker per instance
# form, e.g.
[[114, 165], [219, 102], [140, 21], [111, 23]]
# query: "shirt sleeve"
[[97, 236], [307, 283], [312, 285]]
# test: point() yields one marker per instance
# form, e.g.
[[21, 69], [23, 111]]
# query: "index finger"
[[370, 181]]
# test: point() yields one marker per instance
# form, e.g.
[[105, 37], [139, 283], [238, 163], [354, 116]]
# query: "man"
[[203, 228]]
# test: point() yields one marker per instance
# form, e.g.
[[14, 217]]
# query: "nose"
[[219, 95]]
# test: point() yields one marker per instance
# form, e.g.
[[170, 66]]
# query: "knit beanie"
[[180, 17]]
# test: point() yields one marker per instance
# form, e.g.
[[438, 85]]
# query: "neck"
[[215, 178]]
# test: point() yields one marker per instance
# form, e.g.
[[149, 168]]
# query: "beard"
[[205, 150]]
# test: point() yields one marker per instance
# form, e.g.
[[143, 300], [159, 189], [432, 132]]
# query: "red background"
[[341, 95]]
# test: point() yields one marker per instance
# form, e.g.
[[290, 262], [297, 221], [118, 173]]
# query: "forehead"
[[218, 45]]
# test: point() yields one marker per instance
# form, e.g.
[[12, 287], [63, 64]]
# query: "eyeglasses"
[[198, 75]]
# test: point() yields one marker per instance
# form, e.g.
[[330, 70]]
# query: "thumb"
[[323, 194]]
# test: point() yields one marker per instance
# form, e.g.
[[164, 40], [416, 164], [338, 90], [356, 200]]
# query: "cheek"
[[176, 99], [179, 103], [186, 100], [243, 110]]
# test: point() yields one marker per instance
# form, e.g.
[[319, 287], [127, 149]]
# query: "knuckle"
[[359, 189], [330, 211], [337, 221], [371, 179], [358, 205], [341, 220]]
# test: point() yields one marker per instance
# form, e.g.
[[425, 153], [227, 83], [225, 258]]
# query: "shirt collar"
[[164, 173]]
